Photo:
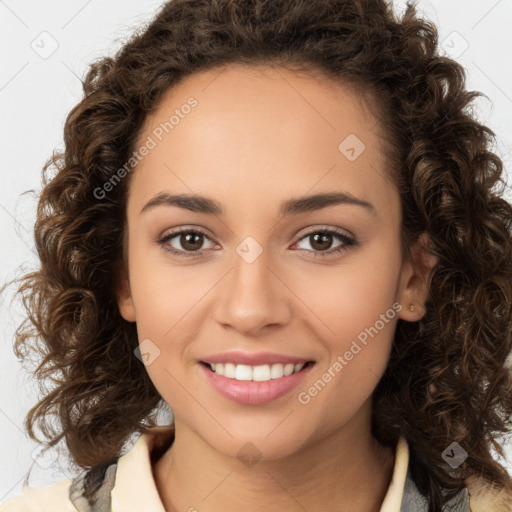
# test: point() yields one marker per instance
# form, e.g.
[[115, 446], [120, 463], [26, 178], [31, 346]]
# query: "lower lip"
[[254, 393]]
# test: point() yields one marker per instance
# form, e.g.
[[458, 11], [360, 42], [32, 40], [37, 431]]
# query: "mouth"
[[255, 385], [260, 373]]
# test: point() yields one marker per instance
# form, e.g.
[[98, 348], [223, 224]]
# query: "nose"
[[254, 296]]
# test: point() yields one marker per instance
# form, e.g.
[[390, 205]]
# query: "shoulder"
[[484, 497], [86, 492], [48, 498], [477, 495], [92, 489]]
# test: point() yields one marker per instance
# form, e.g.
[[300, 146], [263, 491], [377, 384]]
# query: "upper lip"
[[255, 359]]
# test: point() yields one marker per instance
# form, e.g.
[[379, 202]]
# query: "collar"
[[135, 467], [135, 487]]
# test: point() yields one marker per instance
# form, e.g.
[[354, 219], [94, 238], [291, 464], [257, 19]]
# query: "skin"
[[259, 136]]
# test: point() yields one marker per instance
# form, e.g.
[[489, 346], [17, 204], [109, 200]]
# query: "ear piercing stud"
[[411, 307]]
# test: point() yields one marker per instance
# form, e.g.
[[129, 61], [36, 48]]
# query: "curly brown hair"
[[447, 378]]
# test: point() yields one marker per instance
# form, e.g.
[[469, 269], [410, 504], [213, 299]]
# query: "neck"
[[346, 471]]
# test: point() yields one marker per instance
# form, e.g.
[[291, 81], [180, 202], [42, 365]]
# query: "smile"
[[254, 385], [259, 373]]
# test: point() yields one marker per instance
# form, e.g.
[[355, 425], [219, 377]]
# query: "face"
[[310, 281]]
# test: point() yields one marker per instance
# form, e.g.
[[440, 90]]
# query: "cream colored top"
[[135, 489]]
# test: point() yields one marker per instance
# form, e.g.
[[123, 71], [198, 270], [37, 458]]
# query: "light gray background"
[[38, 90]]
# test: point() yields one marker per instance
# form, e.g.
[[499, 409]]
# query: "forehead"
[[262, 129]]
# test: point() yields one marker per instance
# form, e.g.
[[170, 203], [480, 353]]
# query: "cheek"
[[163, 291], [344, 300], [356, 322], [167, 302], [358, 354]]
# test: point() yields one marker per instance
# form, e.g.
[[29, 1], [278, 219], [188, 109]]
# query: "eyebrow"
[[294, 206]]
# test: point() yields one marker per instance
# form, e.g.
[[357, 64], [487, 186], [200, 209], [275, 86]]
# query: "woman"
[[279, 219]]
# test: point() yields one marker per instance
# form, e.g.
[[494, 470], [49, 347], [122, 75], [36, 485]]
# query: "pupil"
[[325, 238], [323, 241], [187, 241]]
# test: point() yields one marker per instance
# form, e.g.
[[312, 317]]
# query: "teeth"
[[261, 373], [243, 372], [255, 373]]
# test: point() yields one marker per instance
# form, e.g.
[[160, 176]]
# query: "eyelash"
[[347, 242]]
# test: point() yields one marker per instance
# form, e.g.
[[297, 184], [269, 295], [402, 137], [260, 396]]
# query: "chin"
[[251, 449]]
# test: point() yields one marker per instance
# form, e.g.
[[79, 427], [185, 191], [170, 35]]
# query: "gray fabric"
[[101, 483], [414, 501], [90, 491]]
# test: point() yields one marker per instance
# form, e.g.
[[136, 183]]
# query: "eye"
[[192, 239], [322, 239], [189, 239]]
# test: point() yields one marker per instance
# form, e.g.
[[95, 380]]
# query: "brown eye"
[[322, 240], [190, 241], [185, 242]]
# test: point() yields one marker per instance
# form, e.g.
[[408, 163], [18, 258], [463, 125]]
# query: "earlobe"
[[413, 288], [124, 298]]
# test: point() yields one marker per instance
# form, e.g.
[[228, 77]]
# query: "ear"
[[124, 295], [414, 279]]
